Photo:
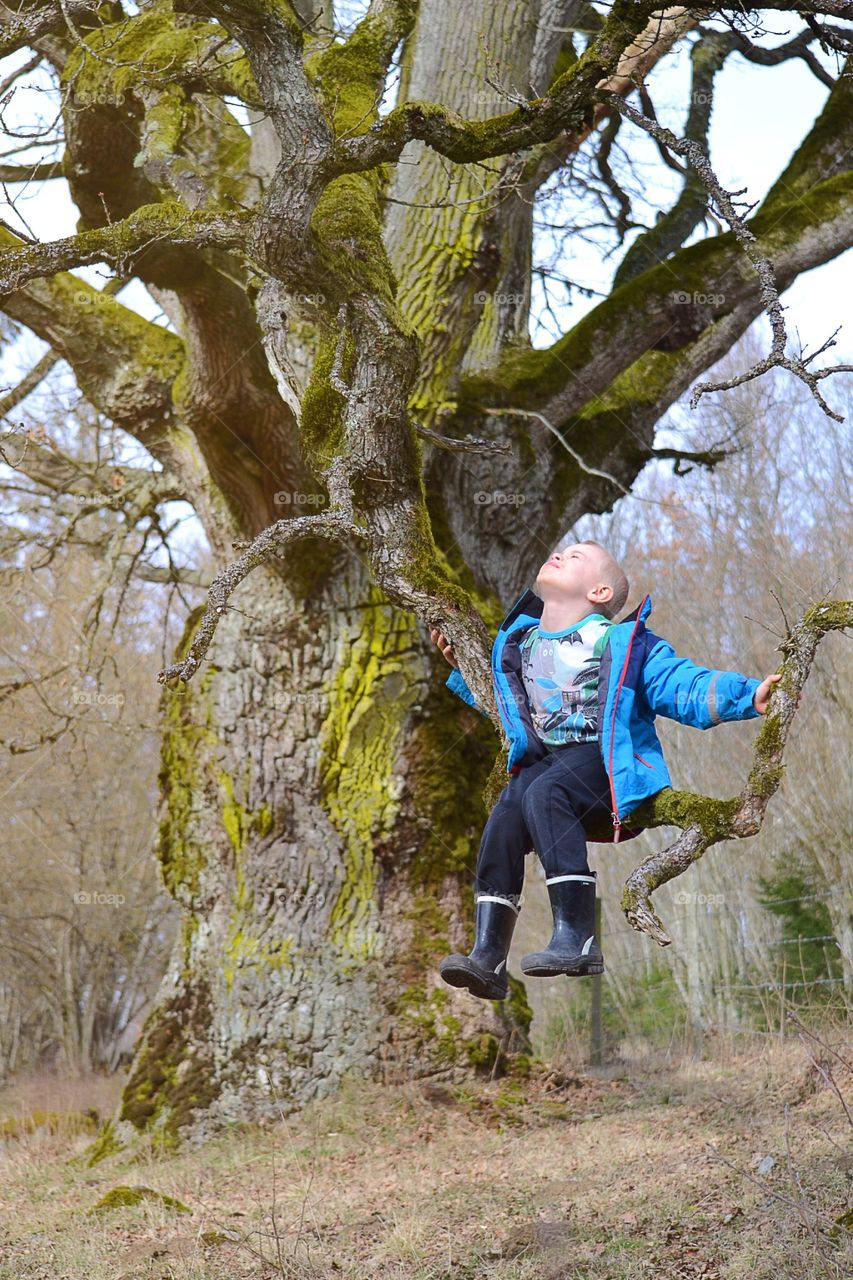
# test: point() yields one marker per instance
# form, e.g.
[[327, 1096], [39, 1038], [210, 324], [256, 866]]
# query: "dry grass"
[[648, 1170]]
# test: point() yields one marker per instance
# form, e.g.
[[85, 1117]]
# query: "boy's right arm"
[[455, 681]]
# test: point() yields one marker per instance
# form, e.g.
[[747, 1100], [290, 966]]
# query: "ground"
[[660, 1166]]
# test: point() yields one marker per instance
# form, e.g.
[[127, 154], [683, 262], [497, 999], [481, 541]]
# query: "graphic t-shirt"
[[560, 673]]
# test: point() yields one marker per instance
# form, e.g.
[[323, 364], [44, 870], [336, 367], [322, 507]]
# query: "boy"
[[578, 694]]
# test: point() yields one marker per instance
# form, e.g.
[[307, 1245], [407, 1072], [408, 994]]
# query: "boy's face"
[[574, 574]]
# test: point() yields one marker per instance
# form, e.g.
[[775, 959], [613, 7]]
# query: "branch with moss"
[[27, 23], [705, 821], [167, 223], [566, 106]]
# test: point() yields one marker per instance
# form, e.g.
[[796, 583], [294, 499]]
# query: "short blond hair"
[[614, 576]]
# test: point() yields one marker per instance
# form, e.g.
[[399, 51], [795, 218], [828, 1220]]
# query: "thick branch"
[[565, 107], [705, 821], [769, 288]]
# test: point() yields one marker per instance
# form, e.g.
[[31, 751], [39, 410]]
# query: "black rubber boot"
[[573, 948], [483, 972]]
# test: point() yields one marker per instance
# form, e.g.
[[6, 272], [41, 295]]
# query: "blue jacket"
[[640, 677]]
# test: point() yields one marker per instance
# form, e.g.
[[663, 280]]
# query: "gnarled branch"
[[705, 821]]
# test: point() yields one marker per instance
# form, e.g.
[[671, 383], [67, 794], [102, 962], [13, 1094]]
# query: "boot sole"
[[458, 972], [553, 968]]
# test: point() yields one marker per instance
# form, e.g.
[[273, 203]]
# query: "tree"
[[348, 295]]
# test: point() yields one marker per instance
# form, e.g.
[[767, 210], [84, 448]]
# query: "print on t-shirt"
[[560, 674]]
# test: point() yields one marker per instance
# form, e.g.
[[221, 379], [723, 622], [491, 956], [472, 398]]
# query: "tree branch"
[[768, 286], [705, 821], [565, 107], [167, 223], [271, 543]]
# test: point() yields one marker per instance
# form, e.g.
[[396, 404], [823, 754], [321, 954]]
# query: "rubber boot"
[[573, 948], [483, 972]]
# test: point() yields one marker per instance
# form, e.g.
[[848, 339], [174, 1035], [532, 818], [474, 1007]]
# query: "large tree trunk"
[[322, 806]]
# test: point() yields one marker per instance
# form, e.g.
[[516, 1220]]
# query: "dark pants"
[[544, 807]]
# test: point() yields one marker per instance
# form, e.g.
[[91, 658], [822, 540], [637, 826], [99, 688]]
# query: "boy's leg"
[[506, 838], [500, 878], [573, 790], [560, 801]]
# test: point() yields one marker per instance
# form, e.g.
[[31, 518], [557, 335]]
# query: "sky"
[[760, 115]]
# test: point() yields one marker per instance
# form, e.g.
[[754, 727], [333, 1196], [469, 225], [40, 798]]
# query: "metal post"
[[596, 1049]]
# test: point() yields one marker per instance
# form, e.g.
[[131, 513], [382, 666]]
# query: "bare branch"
[[771, 303], [266, 546]]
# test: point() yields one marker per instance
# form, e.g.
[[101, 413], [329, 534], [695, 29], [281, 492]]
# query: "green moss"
[[173, 1076], [369, 700], [449, 753], [65, 1122], [351, 74], [151, 48], [347, 223], [484, 1053], [129, 1197], [684, 809], [189, 736], [518, 1008], [243, 947], [106, 1144], [322, 420]]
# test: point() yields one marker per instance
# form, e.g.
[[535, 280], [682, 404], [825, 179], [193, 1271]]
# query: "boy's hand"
[[444, 645], [762, 693]]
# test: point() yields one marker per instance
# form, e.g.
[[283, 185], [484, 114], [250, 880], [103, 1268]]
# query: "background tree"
[[347, 290]]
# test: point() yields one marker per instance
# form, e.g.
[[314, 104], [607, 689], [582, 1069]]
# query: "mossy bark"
[[321, 807]]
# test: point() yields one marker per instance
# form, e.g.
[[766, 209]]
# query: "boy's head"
[[585, 574]]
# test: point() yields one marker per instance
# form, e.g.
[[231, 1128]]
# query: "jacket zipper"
[[617, 821]]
